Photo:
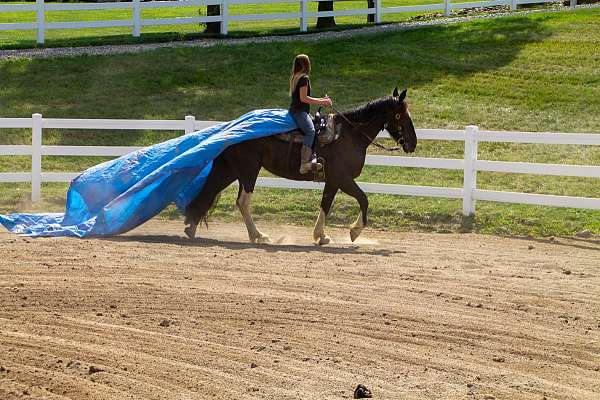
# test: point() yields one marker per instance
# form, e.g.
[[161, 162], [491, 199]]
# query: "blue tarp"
[[121, 194]]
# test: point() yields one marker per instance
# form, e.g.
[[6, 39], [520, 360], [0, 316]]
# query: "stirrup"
[[315, 165]]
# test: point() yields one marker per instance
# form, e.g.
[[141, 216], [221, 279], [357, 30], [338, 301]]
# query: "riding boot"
[[307, 162]]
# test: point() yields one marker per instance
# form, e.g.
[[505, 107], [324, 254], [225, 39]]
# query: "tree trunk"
[[213, 27], [371, 17], [325, 22]]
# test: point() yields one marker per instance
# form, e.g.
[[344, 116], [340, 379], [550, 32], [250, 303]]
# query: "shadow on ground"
[[232, 245]]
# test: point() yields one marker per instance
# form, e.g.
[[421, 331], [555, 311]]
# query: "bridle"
[[372, 141]]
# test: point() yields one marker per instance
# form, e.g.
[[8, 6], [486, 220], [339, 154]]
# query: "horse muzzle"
[[405, 146]]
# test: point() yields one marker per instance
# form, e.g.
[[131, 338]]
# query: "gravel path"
[[310, 37]]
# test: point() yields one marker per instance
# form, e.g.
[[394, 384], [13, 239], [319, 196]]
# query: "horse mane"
[[366, 112]]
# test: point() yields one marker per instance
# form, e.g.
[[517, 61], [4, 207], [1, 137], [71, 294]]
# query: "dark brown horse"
[[344, 160]]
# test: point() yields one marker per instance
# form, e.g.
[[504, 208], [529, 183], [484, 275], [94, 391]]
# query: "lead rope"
[[356, 128]]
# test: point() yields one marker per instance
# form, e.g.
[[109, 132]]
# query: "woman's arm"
[[319, 101]]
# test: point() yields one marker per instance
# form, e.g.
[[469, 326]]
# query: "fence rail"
[[470, 164], [137, 22]]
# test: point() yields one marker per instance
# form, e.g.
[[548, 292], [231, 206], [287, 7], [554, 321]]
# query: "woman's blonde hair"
[[301, 67]]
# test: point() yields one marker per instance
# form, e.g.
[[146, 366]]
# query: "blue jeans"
[[306, 126]]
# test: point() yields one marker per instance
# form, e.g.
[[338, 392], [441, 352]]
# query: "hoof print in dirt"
[[73, 364], [361, 392], [93, 370]]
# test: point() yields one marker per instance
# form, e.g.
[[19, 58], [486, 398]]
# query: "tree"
[[371, 17], [325, 22], [213, 27]]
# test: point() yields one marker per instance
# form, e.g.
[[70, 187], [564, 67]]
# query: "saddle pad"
[[296, 136], [329, 134]]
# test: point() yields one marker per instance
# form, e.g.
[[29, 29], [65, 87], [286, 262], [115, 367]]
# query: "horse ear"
[[395, 94], [403, 95]]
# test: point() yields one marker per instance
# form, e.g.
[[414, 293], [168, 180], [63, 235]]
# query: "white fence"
[[136, 23], [470, 164]]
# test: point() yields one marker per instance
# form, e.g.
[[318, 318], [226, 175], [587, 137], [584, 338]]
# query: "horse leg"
[[219, 178], [247, 182], [352, 189], [319, 232]]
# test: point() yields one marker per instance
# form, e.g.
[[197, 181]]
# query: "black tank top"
[[297, 105]]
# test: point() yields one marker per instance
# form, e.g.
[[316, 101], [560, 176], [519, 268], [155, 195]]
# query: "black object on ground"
[[361, 392]]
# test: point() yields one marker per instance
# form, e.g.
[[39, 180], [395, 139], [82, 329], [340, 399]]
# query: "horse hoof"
[[190, 232], [324, 240], [264, 239], [354, 234]]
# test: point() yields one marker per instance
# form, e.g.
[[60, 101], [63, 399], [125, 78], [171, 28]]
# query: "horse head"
[[400, 125]]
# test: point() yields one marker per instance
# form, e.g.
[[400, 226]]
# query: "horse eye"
[[401, 141], [398, 116]]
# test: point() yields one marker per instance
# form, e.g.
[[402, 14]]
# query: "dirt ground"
[[151, 315]]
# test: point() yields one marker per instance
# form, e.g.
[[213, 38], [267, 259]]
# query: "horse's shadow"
[[271, 248]]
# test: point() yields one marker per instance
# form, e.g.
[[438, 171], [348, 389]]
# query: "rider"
[[300, 108]]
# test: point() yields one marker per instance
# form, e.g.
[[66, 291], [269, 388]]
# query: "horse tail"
[[220, 177], [211, 208]]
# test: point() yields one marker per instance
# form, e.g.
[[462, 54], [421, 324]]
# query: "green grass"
[[118, 35], [531, 73]]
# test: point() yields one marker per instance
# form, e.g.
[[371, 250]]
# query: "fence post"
[[377, 11], [137, 18], [190, 121], [303, 17], [573, 4], [224, 17], [513, 5], [447, 7], [41, 21], [470, 173], [36, 157]]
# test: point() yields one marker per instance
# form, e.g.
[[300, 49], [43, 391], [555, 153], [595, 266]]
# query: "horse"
[[344, 160]]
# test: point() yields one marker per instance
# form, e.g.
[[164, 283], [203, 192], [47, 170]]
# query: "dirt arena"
[[150, 315]]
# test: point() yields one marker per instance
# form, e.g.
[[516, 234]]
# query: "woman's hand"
[[326, 101]]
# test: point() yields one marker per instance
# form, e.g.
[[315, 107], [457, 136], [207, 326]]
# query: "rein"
[[356, 128]]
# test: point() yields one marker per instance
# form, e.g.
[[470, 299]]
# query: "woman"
[[300, 108]]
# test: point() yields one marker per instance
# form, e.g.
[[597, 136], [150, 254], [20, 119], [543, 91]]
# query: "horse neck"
[[366, 126]]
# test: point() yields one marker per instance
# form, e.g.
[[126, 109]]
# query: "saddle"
[[326, 131]]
